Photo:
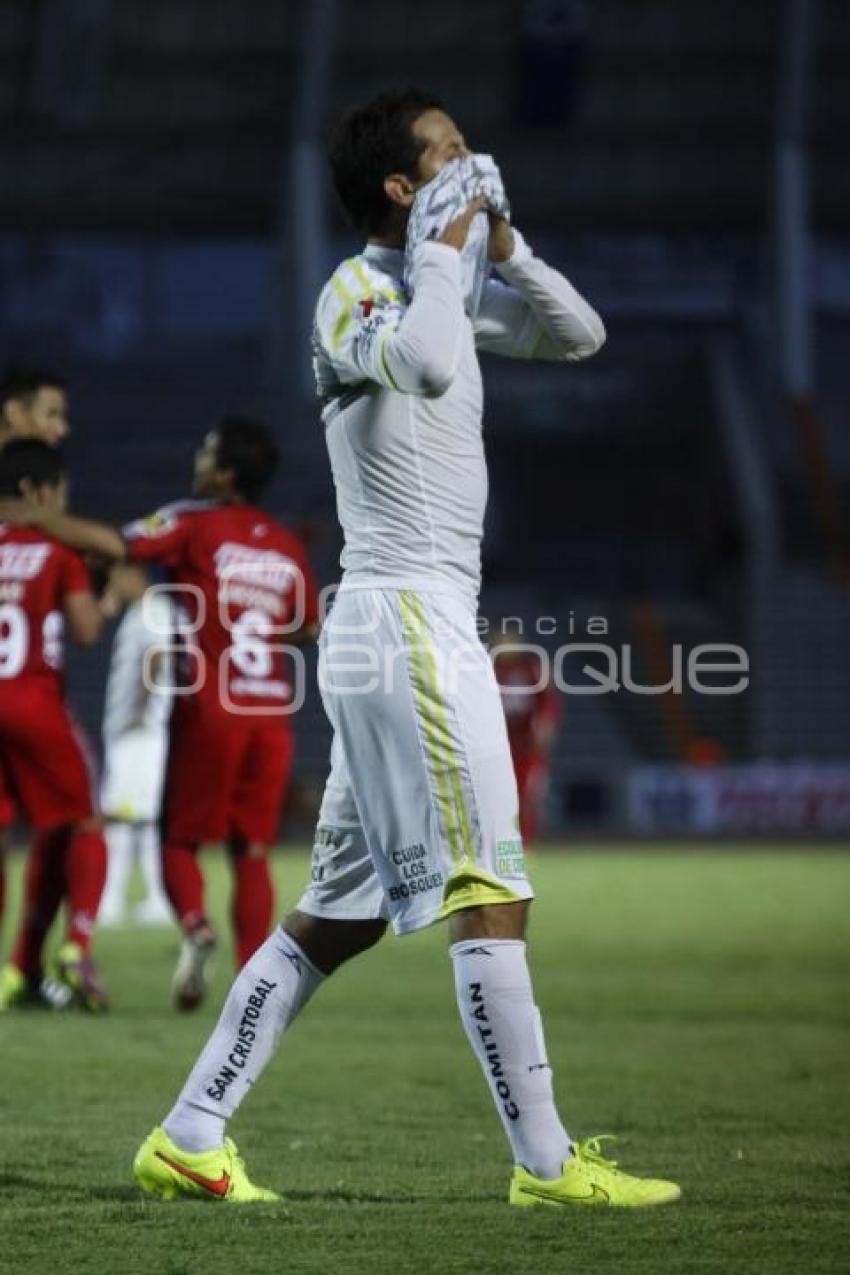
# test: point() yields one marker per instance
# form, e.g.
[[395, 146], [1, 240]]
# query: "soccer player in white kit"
[[135, 745], [419, 817]]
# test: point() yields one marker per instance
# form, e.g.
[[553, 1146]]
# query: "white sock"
[[267, 995], [503, 1024], [119, 844], [150, 862]]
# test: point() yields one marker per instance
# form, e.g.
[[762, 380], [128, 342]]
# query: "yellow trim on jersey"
[[364, 288], [389, 294], [433, 729], [362, 277], [382, 355], [346, 317], [469, 886], [454, 770]]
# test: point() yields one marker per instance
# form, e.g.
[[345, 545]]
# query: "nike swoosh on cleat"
[[596, 1194], [215, 1186]]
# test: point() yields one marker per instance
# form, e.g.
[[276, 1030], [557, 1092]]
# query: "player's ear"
[[399, 189], [16, 415]]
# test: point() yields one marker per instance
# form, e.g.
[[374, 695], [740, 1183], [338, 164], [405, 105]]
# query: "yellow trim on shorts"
[[433, 723], [454, 769], [469, 886]]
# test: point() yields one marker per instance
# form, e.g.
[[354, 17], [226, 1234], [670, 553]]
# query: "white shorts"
[[133, 774], [420, 814]]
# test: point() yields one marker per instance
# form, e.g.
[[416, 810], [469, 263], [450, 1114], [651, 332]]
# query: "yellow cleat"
[[77, 974], [161, 1168], [589, 1178], [15, 988]]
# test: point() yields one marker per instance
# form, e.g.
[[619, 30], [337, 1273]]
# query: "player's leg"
[[53, 778], [533, 796], [252, 906], [464, 742], [254, 817], [86, 859], [85, 872], [189, 1153], [4, 849], [43, 891], [203, 766], [154, 908], [120, 837], [7, 816], [340, 915]]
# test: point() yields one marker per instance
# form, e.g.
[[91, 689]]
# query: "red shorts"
[[226, 777], [44, 757]]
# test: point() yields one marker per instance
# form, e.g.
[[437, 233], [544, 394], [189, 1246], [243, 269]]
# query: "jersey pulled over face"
[[243, 587], [399, 377], [36, 576]]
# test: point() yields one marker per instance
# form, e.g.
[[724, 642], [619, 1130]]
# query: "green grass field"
[[695, 1004]]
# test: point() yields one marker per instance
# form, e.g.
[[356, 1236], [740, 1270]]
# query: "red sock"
[[4, 850], [253, 903], [184, 882], [86, 874], [44, 887]]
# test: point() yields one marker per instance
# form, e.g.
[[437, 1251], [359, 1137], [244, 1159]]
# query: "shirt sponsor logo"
[[22, 562], [261, 567]]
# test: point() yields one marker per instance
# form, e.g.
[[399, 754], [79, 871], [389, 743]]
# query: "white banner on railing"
[[762, 797]]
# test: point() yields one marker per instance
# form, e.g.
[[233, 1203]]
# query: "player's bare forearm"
[[500, 246], [83, 534], [304, 636]]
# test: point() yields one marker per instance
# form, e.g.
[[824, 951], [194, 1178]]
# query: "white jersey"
[[403, 402], [130, 703]]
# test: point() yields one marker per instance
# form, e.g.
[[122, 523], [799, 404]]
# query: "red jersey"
[[527, 704], [36, 576], [244, 589]]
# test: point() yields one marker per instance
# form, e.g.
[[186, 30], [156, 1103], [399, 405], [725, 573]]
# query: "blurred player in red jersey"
[[33, 404], [532, 712], [43, 587], [245, 589]]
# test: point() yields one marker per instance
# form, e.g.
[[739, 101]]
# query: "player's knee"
[[248, 850], [93, 824], [327, 943], [490, 921]]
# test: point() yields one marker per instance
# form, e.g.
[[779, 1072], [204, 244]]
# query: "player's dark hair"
[[29, 459], [20, 382], [370, 142], [246, 447]]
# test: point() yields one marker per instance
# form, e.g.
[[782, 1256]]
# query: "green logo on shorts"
[[510, 860]]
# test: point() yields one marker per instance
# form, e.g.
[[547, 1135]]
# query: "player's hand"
[[456, 231], [500, 246], [20, 513], [110, 603]]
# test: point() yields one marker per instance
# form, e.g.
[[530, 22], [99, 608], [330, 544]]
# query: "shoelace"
[[590, 1150]]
